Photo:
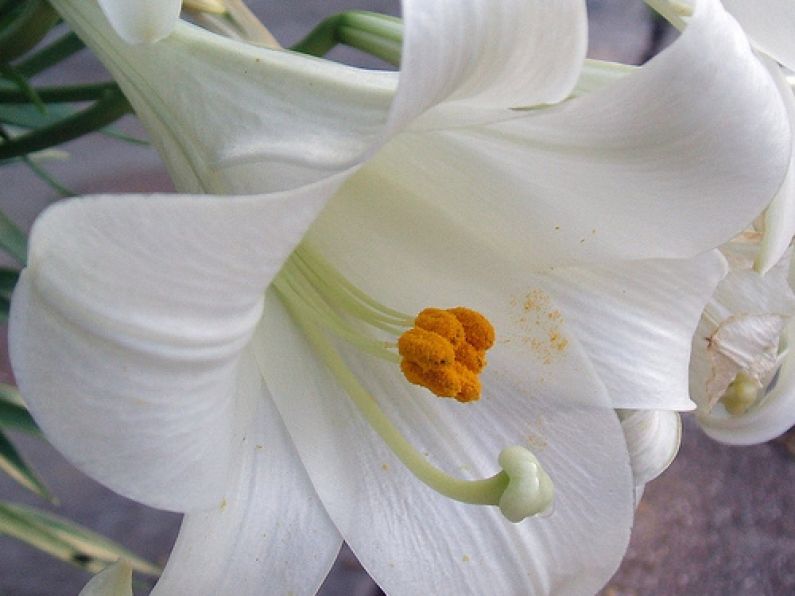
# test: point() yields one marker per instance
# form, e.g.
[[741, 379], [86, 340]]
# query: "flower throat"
[[441, 350]]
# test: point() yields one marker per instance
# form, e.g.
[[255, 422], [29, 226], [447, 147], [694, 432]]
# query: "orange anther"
[[441, 322], [444, 381], [470, 384], [425, 348], [471, 358], [477, 328]]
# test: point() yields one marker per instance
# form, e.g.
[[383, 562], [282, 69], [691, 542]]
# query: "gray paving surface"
[[720, 521]]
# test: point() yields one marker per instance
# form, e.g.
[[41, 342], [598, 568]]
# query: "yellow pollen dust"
[[446, 350]]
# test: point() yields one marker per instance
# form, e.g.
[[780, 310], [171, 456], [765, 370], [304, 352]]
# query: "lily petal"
[[653, 306], [780, 214], [666, 162], [764, 421], [270, 517], [133, 312], [268, 120], [627, 172], [114, 580], [393, 522], [487, 54], [653, 438], [741, 325], [138, 21], [464, 260], [770, 24]]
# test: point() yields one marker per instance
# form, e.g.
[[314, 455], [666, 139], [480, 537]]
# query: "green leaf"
[[24, 87], [12, 239], [48, 178], [26, 116], [112, 106], [8, 280], [52, 54], [66, 540], [11, 463], [13, 413]]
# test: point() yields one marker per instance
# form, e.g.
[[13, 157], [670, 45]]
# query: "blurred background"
[[719, 521]]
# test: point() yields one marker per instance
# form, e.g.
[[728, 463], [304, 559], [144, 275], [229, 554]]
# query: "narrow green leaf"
[[12, 239], [13, 413], [110, 108], [25, 116], [8, 281], [48, 56], [11, 463], [66, 540], [5, 309], [26, 89], [10, 394], [48, 178], [25, 28], [57, 93]]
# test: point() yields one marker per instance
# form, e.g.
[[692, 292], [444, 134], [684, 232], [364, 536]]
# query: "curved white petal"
[[127, 325], [114, 580], [411, 539], [636, 321], [780, 214], [666, 162], [487, 54], [139, 21], [770, 24], [270, 533], [669, 161], [232, 118], [653, 438], [741, 326], [766, 420]]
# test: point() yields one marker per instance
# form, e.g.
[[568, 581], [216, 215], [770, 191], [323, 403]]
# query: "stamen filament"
[[478, 492], [334, 295], [298, 300], [329, 273]]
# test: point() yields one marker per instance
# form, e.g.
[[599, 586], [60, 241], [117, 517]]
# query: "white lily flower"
[[153, 354], [740, 368], [653, 439], [142, 21], [769, 24]]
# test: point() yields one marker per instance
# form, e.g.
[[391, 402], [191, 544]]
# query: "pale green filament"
[[312, 289]]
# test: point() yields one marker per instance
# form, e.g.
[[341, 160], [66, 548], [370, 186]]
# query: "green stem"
[[669, 11], [66, 93], [112, 106], [13, 240], [373, 33], [50, 55], [26, 28]]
